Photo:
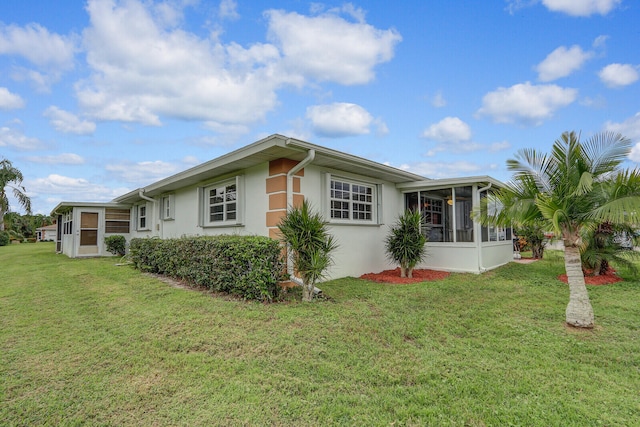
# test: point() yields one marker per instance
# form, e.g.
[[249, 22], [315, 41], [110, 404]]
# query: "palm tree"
[[310, 244], [573, 189], [11, 178]]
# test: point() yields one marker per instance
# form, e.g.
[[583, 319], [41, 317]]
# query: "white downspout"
[[311, 154], [481, 266]]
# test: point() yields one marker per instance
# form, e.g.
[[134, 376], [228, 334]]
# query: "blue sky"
[[101, 97]]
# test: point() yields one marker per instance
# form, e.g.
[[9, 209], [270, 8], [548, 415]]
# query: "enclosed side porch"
[[82, 227], [455, 241]]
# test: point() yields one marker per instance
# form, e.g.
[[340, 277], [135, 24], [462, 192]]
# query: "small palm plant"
[[405, 243], [310, 244], [601, 246]]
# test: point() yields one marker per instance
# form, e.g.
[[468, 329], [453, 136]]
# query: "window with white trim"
[[142, 223], [352, 201], [168, 207], [221, 203]]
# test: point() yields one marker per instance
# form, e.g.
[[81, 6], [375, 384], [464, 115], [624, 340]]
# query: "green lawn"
[[88, 342]]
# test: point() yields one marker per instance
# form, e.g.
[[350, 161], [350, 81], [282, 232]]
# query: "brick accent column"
[[276, 185]]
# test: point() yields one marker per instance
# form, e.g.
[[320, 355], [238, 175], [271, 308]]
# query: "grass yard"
[[85, 342]]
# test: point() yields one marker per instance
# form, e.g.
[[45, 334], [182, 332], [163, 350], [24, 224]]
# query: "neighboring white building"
[[48, 232], [248, 190]]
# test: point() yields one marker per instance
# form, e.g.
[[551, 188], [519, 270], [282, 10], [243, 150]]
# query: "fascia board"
[[466, 180]]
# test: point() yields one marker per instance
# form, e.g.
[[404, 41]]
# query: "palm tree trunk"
[[579, 310], [307, 291]]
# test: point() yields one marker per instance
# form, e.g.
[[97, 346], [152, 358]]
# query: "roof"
[[450, 182], [48, 227], [63, 207], [267, 149]]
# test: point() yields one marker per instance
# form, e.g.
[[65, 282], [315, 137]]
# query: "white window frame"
[[330, 195], [206, 203], [146, 217], [168, 207]]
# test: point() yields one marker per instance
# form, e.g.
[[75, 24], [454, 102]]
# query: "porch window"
[[352, 201], [67, 224], [117, 220], [446, 213], [494, 233]]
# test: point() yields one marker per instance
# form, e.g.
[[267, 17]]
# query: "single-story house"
[[48, 232], [248, 190]]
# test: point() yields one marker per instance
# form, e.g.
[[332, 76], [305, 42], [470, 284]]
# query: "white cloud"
[[581, 7], [438, 100], [52, 53], [499, 146], [526, 103], [339, 119], [59, 187], [629, 128], [600, 42], [562, 62], [66, 122], [10, 137], [10, 101], [141, 173], [228, 10], [449, 129], [618, 75], [454, 136], [191, 160], [330, 48], [381, 127], [143, 69], [60, 159], [38, 46], [437, 170]]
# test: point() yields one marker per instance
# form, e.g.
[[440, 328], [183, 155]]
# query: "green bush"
[[116, 244], [405, 243], [4, 238], [246, 266]]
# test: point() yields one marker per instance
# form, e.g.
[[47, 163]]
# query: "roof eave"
[[445, 182]]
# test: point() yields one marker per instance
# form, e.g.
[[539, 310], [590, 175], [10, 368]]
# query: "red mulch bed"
[[393, 276], [608, 278]]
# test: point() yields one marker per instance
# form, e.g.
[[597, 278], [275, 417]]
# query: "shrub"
[[405, 243], [307, 236], [246, 266], [116, 244], [4, 238]]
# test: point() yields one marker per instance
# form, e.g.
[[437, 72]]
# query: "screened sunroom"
[[455, 241]]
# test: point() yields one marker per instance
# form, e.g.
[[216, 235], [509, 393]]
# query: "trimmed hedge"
[[247, 266]]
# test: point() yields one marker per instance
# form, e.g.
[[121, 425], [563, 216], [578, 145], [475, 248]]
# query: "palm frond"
[[606, 151]]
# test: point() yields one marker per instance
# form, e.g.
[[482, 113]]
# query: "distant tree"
[[11, 180], [533, 236], [405, 243], [310, 244]]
